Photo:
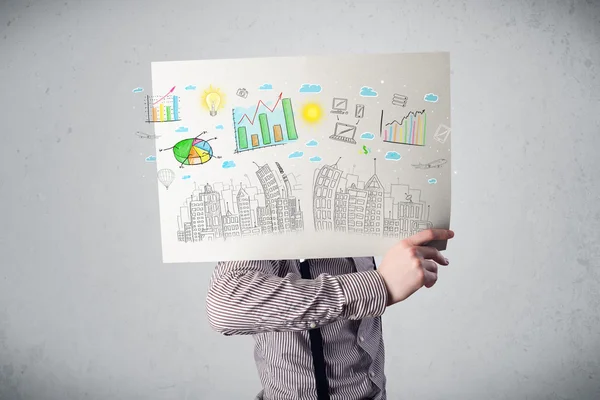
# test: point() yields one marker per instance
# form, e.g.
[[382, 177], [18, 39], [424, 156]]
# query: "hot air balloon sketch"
[[166, 177], [193, 151]]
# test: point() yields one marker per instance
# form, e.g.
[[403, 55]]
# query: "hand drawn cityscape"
[[343, 203], [224, 211]]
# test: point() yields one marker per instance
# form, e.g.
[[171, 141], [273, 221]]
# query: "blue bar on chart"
[[176, 108]]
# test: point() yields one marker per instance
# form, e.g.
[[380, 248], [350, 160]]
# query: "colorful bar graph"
[[410, 130], [242, 137], [164, 110]]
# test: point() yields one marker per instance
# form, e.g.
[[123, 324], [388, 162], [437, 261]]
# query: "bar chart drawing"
[[274, 126], [162, 108], [411, 129]]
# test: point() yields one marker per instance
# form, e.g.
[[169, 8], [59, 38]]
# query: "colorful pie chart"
[[193, 151]]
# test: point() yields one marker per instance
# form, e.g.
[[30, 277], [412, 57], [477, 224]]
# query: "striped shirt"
[[268, 299]]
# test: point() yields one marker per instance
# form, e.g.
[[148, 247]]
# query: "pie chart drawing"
[[193, 151]]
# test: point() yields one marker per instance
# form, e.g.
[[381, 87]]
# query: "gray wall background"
[[87, 309]]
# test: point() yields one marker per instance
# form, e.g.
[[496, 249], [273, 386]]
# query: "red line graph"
[[257, 107], [159, 100]]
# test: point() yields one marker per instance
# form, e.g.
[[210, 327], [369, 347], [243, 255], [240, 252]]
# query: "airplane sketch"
[[433, 164], [344, 203], [228, 210]]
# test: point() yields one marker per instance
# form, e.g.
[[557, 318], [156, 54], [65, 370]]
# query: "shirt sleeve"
[[248, 297]]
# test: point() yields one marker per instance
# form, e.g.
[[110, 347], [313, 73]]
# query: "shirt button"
[[313, 325], [371, 374], [361, 338]]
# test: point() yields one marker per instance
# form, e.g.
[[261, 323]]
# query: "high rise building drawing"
[[342, 203], [225, 211]]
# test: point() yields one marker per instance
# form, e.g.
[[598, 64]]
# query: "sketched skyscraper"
[[326, 181], [244, 210], [374, 208]]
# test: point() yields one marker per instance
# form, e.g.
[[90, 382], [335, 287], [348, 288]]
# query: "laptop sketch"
[[344, 133]]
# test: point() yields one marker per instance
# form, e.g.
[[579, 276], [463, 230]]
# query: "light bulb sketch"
[[213, 100], [166, 177]]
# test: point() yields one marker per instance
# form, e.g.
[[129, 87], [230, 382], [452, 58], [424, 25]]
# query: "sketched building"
[[326, 181], [244, 210], [231, 225], [373, 223], [344, 204], [205, 212]]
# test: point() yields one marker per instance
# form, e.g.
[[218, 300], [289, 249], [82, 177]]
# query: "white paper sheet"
[[300, 157]]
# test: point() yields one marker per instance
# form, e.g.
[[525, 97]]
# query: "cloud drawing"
[[219, 127], [266, 86], [190, 87], [296, 154], [181, 129], [312, 143], [138, 90], [432, 181], [228, 164], [150, 158], [366, 91], [186, 177], [367, 136], [393, 156], [430, 97], [310, 88], [315, 159]]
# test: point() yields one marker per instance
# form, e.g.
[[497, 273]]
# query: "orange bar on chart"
[[277, 133], [254, 140], [154, 114]]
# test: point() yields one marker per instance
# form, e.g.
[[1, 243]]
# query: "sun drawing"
[[312, 113], [213, 100]]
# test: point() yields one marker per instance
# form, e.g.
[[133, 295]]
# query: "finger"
[[430, 266], [430, 278], [429, 235], [431, 253]]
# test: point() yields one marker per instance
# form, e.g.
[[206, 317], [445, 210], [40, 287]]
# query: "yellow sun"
[[312, 113], [213, 100]]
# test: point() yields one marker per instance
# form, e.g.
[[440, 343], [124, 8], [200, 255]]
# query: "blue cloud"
[[219, 127], [190, 87], [430, 97], [392, 155], [296, 154], [228, 164], [367, 136], [150, 158], [310, 88], [366, 91], [138, 90], [266, 86], [186, 177], [312, 143], [315, 159], [432, 181], [181, 129]]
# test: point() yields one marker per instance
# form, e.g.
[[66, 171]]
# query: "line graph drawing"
[[220, 211], [411, 129], [343, 202], [276, 125]]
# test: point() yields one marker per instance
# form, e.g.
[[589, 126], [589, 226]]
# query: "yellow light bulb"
[[213, 100]]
